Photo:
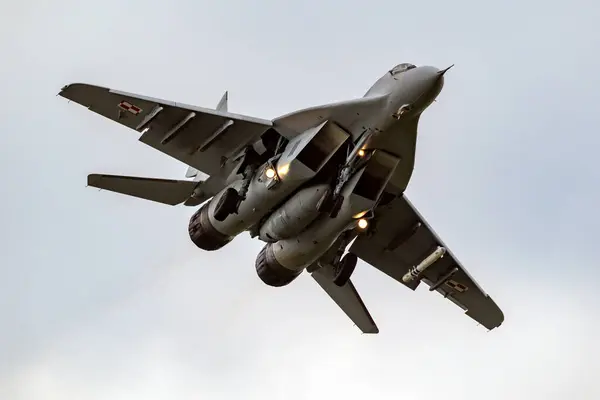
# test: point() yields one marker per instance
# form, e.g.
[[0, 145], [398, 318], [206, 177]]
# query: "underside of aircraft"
[[322, 187]]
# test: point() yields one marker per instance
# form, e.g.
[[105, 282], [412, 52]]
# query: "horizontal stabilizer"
[[348, 299], [166, 191]]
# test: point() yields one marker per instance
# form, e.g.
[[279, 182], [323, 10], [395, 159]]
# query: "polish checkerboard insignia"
[[459, 287], [135, 110]]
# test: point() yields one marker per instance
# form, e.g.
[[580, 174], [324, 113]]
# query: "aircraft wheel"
[[227, 204], [347, 266], [337, 206]]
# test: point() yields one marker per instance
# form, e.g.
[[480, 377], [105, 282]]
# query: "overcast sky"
[[103, 296]]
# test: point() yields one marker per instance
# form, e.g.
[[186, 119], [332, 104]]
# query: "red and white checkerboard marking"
[[135, 110], [459, 287]]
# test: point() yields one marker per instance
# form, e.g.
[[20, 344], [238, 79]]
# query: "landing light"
[[360, 214], [361, 153], [270, 173], [284, 169], [363, 223]]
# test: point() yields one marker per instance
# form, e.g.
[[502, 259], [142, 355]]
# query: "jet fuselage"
[[320, 187]]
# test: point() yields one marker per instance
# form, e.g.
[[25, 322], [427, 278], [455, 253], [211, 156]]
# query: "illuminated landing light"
[[363, 223], [360, 214], [283, 170], [270, 173], [361, 153]]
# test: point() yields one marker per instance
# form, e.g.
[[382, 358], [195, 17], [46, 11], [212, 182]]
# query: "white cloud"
[[171, 338], [103, 296]]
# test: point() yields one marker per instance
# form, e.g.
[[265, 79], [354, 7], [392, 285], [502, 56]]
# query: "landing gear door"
[[377, 173], [313, 148]]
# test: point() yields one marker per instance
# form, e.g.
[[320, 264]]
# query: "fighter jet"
[[322, 187]]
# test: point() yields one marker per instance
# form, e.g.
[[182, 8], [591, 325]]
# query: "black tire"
[[347, 266], [337, 206], [226, 205]]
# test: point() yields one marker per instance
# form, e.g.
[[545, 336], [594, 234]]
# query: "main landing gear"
[[344, 269], [231, 199], [227, 205], [344, 265]]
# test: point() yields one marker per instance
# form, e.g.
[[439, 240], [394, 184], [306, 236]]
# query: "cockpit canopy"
[[401, 68]]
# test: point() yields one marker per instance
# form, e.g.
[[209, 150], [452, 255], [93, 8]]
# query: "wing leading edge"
[[402, 239]]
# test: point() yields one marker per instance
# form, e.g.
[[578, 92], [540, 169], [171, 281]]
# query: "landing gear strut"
[[231, 199], [330, 203], [227, 205]]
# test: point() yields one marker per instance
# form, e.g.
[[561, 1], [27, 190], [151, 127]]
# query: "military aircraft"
[[322, 186]]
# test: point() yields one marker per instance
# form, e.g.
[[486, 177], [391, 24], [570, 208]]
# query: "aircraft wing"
[[166, 191], [347, 298], [199, 137], [401, 239]]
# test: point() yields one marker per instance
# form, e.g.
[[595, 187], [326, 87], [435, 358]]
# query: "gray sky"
[[104, 297]]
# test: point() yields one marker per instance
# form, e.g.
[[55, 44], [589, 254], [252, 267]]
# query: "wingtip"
[[74, 86], [70, 85], [67, 88], [62, 90], [93, 178], [372, 330]]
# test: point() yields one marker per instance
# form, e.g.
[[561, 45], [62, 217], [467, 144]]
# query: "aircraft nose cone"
[[438, 80], [442, 72], [433, 80], [430, 82]]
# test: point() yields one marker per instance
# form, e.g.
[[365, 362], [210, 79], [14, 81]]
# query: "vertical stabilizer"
[[222, 106]]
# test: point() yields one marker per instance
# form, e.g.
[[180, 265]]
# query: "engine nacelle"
[[302, 159], [301, 251], [360, 194], [270, 271], [203, 233]]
